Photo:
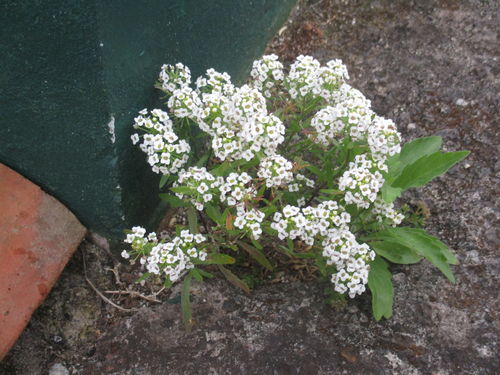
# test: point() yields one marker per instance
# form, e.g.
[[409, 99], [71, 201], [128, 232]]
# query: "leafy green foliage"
[[418, 163], [380, 284], [256, 254], [187, 314], [395, 252], [422, 244], [172, 200], [233, 279], [426, 168]]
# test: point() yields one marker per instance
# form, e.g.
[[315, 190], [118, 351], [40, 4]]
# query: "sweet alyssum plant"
[[294, 161]]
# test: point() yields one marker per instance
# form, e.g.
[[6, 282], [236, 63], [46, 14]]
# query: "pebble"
[[58, 369]]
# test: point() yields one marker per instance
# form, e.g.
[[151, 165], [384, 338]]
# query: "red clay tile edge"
[[38, 235]]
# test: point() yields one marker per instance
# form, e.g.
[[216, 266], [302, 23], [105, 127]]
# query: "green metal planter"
[[75, 73]]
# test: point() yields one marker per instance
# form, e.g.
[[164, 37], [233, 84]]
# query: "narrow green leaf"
[[233, 279], [183, 190], [206, 274], [315, 170], [252, 163], [395, 252], [172, 200], [256, 244], [216, 258], [214, 214], [268, 210], [256, 254], [380, 284], [221, 169], [203, 160], [331, 191], [426, 168], [163, 180], [187, 315], [192, 220], [196, 274]]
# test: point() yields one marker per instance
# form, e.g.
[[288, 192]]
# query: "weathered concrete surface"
[[38, 236], [431, 66]]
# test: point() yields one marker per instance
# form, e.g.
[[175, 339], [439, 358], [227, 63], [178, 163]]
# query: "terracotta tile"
[[38, 235]]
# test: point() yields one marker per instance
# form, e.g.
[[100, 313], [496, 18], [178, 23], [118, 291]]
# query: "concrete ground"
[[431, 66]]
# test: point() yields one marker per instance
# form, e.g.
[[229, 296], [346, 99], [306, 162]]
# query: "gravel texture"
[[432, 67]]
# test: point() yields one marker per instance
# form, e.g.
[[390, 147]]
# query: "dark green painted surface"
[[69, 68]]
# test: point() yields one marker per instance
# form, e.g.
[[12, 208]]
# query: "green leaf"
[[268, 210], [252, 163], [256, 254], [331, 191], [233, 279], [286, 250], [426, 168], [187, 315], [203, 160], [222, 169], [411, 152], [192, 220], [196, 274], [183, 190], [422, 244], [172, 200], [390, 193], [380, 284], [214, 214], [216, 258], [315, 170], [206, 274], [164, 179], [256, 244], [395, 252]]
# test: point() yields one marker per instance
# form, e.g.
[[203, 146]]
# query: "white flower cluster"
[[239, 124], [383, 138], [331, 77], [351, 260], [215, 82], [351, 116], [267, 73], [173, 77], [309, 222], [362, 181], [137, 240], [236, 189], [170, 258], [329, 214], [249, 220], [185, 102], [307, 76], [383, 210], [294, 222], [275, 170], [204, 186], [166, 152]]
